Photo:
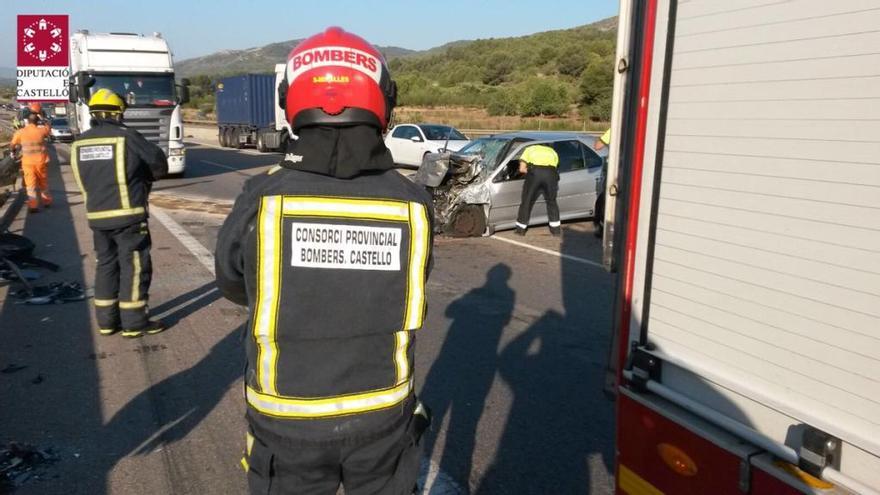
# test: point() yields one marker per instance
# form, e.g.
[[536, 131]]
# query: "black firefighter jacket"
[[331, 251], [115, 168]]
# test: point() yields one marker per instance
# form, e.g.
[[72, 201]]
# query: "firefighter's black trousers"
[[539, 180], [384, 463], [122, 276]]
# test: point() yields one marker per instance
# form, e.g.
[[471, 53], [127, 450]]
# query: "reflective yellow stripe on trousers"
[[272, 211]]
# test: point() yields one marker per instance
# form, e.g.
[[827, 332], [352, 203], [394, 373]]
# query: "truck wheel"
[[236, 140], [261, 145], [467, 221], [221, 136]]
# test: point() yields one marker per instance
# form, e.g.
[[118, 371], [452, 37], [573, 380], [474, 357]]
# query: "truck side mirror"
[[72, 93], [84, 82], [183, 92]]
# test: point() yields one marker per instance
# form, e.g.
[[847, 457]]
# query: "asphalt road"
[[510, 360]]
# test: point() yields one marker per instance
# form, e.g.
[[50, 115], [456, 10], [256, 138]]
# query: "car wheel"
[[467, 221]]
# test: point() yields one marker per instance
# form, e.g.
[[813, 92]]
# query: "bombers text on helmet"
[[104, 100], [337, 78]]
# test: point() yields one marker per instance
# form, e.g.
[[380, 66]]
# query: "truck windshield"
[[139, 90]]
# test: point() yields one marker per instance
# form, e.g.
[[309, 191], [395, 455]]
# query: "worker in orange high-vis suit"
[[35, 158]]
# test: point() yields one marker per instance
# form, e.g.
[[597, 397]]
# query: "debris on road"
[[56, 293], [7, 275], [21, 462], [12, 368]]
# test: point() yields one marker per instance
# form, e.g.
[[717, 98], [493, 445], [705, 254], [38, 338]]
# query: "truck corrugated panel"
[[247, 99]]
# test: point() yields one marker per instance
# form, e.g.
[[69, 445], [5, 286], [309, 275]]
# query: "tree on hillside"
[[499, 67], [596, 86], [544, 97], [572, 60]]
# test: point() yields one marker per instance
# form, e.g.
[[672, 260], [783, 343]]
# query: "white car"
[[409, 143], [61, 130]]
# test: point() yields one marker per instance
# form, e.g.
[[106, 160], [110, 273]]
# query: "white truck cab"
[[140, 69]]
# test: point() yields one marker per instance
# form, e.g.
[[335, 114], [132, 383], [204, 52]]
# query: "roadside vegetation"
[[556, 80], [556, 73]]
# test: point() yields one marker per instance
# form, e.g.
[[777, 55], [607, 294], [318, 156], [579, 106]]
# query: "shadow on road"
[[460, 378], [175, 310], [559, 419], [202, 161], [54, 401], [179, 403]]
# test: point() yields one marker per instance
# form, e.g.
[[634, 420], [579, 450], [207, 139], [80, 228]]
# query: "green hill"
[[257, 60], [549, 73], [553, 73]]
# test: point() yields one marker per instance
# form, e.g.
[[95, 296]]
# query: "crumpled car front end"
[[461, 196]]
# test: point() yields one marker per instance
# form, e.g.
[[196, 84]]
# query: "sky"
[[199, 27]]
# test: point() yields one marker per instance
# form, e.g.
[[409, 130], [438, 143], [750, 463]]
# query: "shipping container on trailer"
[[745, 227], [248, 112]]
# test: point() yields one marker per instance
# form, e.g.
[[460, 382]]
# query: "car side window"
[[511, 169], [591, 158], [402, 132], [570, 156]]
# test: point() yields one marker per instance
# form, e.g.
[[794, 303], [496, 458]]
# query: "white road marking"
[[548, 251], [435, 482], [189, 242]]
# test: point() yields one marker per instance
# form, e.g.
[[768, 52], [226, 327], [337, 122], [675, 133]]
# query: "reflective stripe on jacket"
[[114, 167], [334, 273], [32, 139]]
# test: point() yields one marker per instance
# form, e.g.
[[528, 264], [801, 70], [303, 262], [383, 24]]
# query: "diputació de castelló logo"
[[43, 58]]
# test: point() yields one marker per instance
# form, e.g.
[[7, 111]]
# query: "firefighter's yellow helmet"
[[104, 100]]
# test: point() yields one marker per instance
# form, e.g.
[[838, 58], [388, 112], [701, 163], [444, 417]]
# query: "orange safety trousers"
[[34, 163]]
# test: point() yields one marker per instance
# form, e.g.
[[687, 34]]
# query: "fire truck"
[[743, 222]]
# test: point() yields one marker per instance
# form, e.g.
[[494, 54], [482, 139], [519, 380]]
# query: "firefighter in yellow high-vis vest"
[[115, 168]]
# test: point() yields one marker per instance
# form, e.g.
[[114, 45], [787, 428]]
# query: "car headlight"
[[176, 151]]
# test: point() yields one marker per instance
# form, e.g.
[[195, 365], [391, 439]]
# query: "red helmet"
[[35, 107], [337, 78]]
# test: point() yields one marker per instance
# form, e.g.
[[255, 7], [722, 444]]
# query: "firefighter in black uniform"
[[115, 167], [539, 164], [331, 250]]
